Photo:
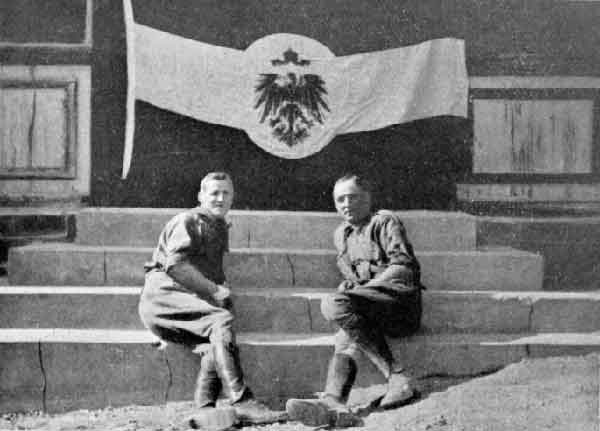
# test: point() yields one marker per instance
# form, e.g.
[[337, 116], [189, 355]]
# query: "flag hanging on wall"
[[290, 93]]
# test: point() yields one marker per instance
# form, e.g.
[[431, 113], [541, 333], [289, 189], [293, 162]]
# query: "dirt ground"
[[555, 394]]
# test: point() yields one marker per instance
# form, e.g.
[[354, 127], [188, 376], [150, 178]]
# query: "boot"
[[341, 375], [399, 392], [208, 385], [210, 418], [247, 408], [250, 411], [227, 365], [321, 412], [331, 409]]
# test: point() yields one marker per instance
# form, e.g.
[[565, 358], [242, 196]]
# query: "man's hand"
[[222, 296], [345, 285]]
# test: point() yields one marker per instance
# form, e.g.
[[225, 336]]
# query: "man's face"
[[216, 196], [351, 202]]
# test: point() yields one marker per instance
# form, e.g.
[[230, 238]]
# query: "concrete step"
[[22, 224], [286, 310], [58, 369], [569, 246], [428, 230], [71, 264]]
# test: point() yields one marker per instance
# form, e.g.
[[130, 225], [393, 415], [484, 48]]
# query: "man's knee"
[[336, 306]]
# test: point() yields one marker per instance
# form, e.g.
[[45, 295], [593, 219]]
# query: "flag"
[[290, 93]]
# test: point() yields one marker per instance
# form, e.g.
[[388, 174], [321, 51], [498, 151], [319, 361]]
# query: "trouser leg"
[[345, 311]]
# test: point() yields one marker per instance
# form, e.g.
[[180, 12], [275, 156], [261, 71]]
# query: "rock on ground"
[[553, 394]]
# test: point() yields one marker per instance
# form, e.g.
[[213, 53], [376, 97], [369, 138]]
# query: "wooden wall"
[[417, 165], [44, 132], [551, 136]]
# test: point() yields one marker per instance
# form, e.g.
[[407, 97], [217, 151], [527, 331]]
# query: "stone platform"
[[58, 369], [71, 338]]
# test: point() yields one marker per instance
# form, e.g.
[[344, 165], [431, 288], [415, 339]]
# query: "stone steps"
[[21, 224], [73, 264], [71, 337], [140, 227], [64, 369], [286, 310]]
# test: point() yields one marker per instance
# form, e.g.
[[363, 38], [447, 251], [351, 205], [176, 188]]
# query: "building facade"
[[530, 142]]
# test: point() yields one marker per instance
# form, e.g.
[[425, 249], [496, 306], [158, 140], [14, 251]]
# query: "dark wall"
[[416, 165], [26, 21]]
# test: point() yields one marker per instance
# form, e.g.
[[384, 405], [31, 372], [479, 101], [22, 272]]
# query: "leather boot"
[[248, 410], [208, 385], [227, 365], [331, 409], [373, 344], [399, 392], [340, 377], [213, 419]]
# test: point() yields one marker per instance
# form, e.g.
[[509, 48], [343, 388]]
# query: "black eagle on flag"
[[292, 102]]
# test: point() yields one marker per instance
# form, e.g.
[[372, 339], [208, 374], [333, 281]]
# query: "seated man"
[[381, 295], [185, 300]]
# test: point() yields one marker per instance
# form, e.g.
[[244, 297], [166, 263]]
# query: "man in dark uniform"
[[185, 300], [380, 296]]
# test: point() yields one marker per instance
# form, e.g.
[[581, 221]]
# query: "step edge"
[[71, 247], [306, 292], [115, 336]]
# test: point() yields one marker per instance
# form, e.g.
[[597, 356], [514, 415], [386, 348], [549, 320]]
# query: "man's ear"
[[198, 196]]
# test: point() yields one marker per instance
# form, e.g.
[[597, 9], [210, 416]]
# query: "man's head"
[[352, 197], [216, 193]]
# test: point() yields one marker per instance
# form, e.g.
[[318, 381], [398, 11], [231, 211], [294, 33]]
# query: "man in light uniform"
[[185, 300]]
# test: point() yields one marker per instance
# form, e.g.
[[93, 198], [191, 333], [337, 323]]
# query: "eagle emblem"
[[291, 102]]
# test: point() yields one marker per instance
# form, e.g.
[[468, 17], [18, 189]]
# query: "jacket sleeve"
[[394, 242], [184, 237], [398, 250]]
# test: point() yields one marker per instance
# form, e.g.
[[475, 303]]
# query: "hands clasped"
[[345, 286], [222, 296]]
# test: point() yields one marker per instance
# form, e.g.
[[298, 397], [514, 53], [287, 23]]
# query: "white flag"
[[290, 93]]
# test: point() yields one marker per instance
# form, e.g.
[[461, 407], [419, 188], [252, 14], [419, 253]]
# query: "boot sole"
[[316, 414], [217, 419], [416, 395], [244, 420]]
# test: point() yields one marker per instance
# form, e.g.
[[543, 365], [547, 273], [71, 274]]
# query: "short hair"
[[364, 183], [214, 176]]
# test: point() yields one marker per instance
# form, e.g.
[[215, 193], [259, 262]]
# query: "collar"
[[211, 217], [350, 227]]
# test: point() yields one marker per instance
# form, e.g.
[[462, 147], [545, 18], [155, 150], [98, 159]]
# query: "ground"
[[553, 394]]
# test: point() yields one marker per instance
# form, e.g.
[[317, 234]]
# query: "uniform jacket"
[[368, 249]]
